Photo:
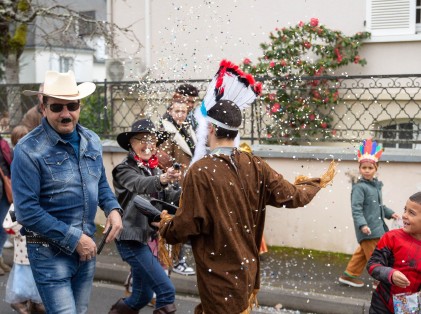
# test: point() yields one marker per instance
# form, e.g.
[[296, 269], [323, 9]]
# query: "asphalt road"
[[105, 294]]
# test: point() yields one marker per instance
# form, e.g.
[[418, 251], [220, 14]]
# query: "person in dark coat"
[[139, 175]]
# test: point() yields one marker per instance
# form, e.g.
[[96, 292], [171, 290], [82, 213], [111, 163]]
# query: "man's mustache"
[[66, 120]]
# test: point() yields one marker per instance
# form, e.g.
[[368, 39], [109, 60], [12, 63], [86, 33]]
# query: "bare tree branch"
[[66, 21]]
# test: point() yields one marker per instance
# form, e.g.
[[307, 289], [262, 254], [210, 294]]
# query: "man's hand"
[[113, 219], [400, 280], [165, 217], [86, 248]]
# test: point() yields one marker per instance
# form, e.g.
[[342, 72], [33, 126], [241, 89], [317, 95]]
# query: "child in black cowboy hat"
[[139, 174]]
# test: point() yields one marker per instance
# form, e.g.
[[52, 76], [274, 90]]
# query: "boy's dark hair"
[[187, 90], [226, 112], [416, 198]]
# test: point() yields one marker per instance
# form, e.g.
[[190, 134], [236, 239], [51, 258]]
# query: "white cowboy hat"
[[63, 86]]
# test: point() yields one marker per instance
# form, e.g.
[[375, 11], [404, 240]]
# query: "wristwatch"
[[120, 211]]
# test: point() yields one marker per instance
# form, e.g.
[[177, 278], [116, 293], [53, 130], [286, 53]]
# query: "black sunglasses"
[[73, 106]]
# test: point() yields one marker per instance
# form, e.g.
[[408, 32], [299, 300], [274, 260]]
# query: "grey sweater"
[[368, 209]]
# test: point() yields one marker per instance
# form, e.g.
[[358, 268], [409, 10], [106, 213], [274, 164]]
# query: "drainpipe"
[[148, 33], [112, 23]]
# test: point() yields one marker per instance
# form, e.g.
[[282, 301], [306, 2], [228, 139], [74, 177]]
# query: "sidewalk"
[[297, 279]]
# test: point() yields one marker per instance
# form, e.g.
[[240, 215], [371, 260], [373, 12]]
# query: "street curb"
[[268, 296], [292, 299]]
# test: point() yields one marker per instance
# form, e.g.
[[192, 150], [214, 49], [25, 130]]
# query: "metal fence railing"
[[387, 107]]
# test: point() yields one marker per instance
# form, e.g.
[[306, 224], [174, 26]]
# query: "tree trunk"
[[13, 90]]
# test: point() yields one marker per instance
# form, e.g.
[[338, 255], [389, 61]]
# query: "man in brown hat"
[[58, 182]]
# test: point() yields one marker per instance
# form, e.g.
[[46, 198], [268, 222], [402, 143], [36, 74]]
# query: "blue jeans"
[[63, 281], [4, 207], [148, 276]]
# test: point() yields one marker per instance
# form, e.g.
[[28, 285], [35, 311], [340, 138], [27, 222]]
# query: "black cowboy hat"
[[141, 126]]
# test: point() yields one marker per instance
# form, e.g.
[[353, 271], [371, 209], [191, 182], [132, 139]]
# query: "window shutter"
[[390, 17]]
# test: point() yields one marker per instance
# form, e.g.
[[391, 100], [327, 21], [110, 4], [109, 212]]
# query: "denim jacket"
[[56, 194]]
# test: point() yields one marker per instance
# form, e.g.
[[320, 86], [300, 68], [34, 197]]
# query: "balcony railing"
[[386, 107]]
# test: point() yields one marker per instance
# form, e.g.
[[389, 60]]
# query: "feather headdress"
[[229, 83], [369, 151]]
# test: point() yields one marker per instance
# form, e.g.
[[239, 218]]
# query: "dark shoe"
[[21, 308], [351, 281], [122, 308], [3, 265], [36, 308], [167, 309]]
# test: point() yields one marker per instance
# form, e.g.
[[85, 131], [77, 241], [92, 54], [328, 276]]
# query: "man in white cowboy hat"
[[58, 182]]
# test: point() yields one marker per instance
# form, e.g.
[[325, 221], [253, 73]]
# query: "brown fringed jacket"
[[222, 212]]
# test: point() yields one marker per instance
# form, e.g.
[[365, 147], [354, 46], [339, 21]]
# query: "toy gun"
[[149, 209]]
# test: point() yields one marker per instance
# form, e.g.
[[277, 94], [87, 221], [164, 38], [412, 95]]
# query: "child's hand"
[[396, 216], [399, 279], [366, 230]]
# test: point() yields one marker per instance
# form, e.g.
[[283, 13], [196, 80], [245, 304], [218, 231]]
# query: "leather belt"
[[36, 239]]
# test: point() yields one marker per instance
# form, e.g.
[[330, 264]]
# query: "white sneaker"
[[8, 245], [183, 269]]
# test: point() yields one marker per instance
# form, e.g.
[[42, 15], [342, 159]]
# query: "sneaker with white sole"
[[351, 281], [183, 269]]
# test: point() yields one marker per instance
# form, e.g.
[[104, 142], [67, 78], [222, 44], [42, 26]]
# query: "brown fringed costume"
[[222, 212]]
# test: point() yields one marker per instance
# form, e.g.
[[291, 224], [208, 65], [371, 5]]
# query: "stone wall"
[[326, 223]]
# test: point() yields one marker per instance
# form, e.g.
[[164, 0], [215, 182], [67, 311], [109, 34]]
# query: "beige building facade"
[[185, 40]]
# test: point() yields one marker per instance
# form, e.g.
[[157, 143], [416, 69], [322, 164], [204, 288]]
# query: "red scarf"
[[152, 163]]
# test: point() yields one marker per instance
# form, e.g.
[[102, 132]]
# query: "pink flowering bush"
[[305, 50]]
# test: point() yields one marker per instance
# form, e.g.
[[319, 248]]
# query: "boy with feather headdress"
[[368, 212]]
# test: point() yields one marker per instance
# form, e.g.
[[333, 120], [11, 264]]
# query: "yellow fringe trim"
[[244, 147], [253, 299], [167, 254], [325, 179]]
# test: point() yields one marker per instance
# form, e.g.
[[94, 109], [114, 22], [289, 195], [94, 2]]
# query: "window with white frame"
[[66, 64], [393, 17], [403, 132]]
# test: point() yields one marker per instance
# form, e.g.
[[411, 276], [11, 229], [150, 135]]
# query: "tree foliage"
[[94, 115], [297, 61]]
